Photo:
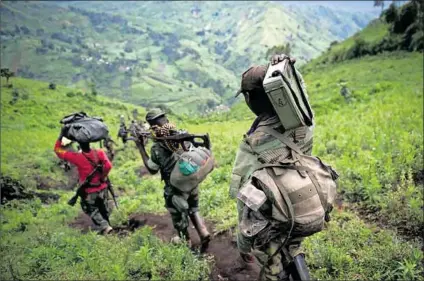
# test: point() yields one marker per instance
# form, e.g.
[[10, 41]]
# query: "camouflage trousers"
[[277, 267], [179, 214], [96, 206]]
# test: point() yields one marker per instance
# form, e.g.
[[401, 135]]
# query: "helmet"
[[154, 114]]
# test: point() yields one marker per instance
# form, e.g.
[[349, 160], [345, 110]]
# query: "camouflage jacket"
[[256, 149], [161, 159]]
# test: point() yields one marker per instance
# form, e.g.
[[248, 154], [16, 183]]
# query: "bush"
[[391, 14], [70, 94]]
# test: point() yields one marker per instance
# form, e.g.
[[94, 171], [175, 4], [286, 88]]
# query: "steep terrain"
[[376, 130], [186, 56], [369, 127]]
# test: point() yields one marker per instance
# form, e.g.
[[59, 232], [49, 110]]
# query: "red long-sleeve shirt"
[[84, 166]]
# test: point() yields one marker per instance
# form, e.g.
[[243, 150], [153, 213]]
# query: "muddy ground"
[[228, 265]]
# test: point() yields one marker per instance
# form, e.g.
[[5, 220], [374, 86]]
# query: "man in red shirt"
[[94, 198]]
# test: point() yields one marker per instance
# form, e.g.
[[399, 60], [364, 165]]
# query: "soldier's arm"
[[150, 164], [243, 166], [62, 153]]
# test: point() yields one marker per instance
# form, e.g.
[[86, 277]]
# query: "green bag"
[[191, 168], [301, 188]]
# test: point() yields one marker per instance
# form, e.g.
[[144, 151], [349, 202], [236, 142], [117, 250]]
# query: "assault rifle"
[[112, 192], [140, 133], [80, 188]]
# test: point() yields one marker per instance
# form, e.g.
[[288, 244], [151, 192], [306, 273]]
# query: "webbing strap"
[[96, 165], [318, 188], [286, 197], [280, 137]]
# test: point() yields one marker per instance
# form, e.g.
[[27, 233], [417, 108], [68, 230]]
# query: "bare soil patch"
[[12, 189], [222, 247]]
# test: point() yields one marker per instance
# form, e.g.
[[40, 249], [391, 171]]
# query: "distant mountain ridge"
[[186, 56]]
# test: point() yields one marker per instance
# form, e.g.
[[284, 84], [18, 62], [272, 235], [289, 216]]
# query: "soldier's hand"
[[279, 58], [142, 140], [276, 59]]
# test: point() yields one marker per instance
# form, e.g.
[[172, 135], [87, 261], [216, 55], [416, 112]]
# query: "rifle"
[[139, 132], [182, 137], [79, 191], [112, 192]]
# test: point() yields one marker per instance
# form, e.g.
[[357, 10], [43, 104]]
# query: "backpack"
[[287, 94], [191, 168], [82, 128], [301, 189]]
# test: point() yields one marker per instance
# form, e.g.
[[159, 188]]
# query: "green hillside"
[[185, 56], [397, 28], [368, 126], [374, 141], [30, 115]]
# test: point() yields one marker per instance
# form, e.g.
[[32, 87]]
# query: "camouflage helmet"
[[154, 114]]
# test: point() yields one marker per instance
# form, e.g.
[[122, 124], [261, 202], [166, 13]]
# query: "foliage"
[[374, 142], [142, 53], [5, 72], [351, 250], [396, 29], [37, 244]]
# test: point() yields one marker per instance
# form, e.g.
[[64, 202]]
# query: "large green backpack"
[[191, 168], [301, 189]]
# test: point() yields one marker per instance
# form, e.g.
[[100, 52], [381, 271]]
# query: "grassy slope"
[[30, 126], [373, 33], [345, 134]]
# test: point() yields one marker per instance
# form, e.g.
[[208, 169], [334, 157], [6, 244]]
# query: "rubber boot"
[[300, 269], [107, 230], [201, 229]]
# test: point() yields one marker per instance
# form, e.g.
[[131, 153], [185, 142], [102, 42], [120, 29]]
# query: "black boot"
[[298, 269]]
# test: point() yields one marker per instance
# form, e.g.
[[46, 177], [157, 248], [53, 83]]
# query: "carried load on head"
[[81, 128]]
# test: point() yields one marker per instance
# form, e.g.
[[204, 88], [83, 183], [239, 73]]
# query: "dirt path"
[[228, 265]]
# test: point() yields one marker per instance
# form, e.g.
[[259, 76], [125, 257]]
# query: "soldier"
[[94, 201], [179, 204], [274, 259]]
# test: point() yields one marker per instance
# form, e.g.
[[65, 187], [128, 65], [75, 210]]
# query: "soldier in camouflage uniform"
[[275, 265], [180, 205]]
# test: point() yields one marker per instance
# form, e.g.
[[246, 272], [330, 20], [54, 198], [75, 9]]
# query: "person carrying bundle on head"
[[93, 166]]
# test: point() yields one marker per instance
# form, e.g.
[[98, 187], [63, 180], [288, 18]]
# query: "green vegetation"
[[396, 29], [37, 244], [377, 131], [30, 115], [167, 53], [373, 138]]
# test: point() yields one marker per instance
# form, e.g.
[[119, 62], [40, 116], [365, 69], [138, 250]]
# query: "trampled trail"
[[228, 264]]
